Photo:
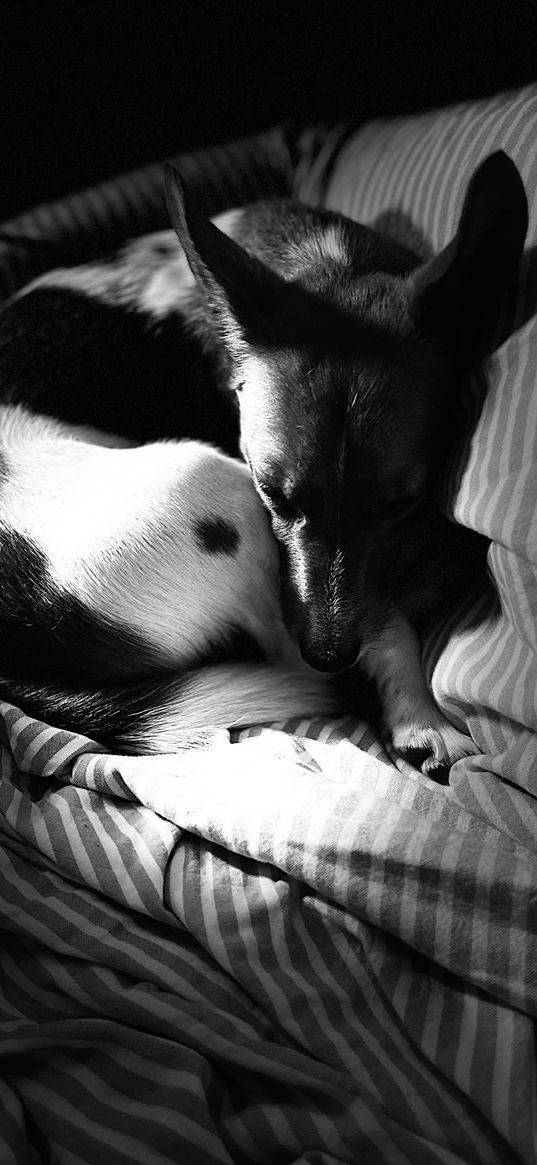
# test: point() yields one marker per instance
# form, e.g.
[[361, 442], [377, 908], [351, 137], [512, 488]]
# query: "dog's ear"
[[240, 291], [458, 295]]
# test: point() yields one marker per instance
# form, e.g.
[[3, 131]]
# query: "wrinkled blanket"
[[278, 949]]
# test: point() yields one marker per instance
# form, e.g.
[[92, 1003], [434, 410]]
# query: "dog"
[[333, 358]]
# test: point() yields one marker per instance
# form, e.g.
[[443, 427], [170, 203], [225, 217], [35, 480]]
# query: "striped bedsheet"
[[281, 949]]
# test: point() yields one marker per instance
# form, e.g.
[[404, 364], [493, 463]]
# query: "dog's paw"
[[431, 748]]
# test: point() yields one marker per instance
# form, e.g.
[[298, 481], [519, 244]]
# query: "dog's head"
[[347, 354]]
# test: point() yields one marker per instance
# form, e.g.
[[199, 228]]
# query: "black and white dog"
[[332, 357], [128, 576]]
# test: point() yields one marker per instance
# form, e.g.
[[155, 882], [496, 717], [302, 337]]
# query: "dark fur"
[[39, 625], [89, 359]]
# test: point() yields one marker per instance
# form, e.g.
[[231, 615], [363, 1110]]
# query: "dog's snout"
[[326, 658], [322, 602]]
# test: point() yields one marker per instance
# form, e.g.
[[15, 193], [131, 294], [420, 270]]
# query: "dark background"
[[90, 88]]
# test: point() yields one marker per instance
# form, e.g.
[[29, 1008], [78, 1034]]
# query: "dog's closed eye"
[[387, 511], [278, 503], [292, 502]]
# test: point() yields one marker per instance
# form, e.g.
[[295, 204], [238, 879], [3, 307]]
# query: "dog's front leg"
[[415, 727]]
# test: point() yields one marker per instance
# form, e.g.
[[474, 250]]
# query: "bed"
[[281, 948]]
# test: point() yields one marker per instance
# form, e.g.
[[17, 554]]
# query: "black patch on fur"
[[78, 671], [216, 535], [114, 717], [47, 635], [75, 357]]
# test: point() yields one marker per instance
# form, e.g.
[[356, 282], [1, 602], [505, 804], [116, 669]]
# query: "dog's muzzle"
[[320, 605]]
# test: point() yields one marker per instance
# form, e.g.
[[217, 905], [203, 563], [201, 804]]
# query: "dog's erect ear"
[[458, 295], [241, 292]]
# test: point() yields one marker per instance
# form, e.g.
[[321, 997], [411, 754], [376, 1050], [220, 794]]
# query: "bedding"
[[281, 948], [278, 949]]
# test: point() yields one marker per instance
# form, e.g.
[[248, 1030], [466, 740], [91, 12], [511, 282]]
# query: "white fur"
[[168, 287], [332, 246], [318, 250], [172, 281], [117, 528], [231, 696]]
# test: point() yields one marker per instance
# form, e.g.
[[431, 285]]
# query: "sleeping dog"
[[333, 357]]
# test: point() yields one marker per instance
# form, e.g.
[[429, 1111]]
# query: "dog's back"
[[119, 344]]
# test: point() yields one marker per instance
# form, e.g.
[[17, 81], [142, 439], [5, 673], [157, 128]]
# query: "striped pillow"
[[487, 676]]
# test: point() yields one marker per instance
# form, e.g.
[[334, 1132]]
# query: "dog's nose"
[[328, 659]]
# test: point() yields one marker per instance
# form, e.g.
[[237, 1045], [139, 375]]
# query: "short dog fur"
[[334, 358]]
